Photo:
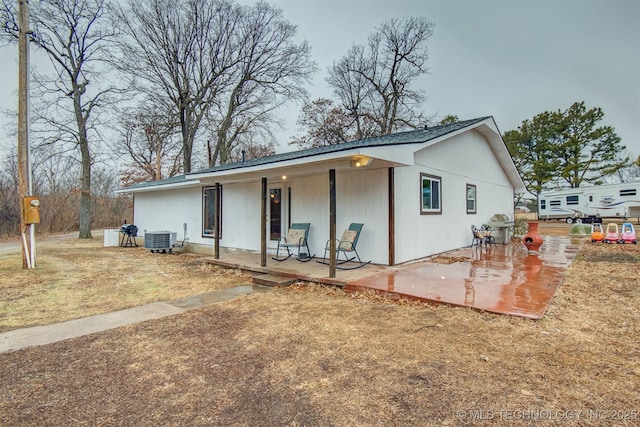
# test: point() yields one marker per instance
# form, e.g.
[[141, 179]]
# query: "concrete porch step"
[[273, 280]]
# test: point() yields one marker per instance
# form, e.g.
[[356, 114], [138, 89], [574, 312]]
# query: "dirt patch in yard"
[[315, 355], [443, 259]]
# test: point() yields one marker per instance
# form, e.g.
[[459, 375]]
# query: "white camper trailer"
[[591, 204]]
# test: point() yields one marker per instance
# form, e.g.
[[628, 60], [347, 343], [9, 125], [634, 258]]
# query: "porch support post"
[[216, 223], [288, 208], [392, 217], [263, 224], [332, 223]]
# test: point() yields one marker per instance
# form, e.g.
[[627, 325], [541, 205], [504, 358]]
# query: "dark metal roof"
[[409, 137]]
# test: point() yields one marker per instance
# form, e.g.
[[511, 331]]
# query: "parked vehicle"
[[627, 234], [597, 233], [611, 235], [591, 204]]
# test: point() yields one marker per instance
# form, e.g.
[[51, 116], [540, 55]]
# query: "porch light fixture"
[[284, 177], [362, 161]]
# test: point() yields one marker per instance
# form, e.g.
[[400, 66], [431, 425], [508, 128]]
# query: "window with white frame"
[[430, 194], [471, 199]]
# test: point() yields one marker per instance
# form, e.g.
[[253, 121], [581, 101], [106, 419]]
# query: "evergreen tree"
[[565, 147]]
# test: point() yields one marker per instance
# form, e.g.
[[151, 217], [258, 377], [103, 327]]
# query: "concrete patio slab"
[[504, 279]]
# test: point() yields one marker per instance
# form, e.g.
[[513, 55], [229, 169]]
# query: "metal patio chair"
[[346, 245], [481, 236], [297, 237], [476, 239]]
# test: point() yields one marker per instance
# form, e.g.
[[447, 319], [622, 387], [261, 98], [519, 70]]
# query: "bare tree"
[[249, 148], [241, 132], [72, 34], [148, 138], [56, 181], [322, 123], [374, 82], [631, 172], [55, 174], [270, 70], [9, 207], [184, 50]]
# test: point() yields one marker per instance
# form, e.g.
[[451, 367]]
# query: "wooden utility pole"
[[24, 165]]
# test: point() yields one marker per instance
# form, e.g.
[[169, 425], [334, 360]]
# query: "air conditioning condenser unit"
[[160, 240]]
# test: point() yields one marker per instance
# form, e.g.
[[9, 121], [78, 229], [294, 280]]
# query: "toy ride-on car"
[[628, 234], [611, 235], [597, 233]]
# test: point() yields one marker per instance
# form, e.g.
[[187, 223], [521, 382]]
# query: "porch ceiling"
[[275, 172]]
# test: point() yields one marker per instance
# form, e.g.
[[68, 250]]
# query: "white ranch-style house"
[[417, 194]]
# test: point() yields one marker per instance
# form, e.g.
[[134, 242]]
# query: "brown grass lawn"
[[76, 278], [313, 355]]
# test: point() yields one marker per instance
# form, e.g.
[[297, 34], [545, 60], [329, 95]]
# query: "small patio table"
[[487, 238]]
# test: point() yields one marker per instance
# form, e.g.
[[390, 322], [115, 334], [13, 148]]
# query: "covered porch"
[[352, 186], [291, 270]]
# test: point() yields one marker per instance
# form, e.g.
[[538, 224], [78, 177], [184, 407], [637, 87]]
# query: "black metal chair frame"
[[345, 248], [302, 242], [478, 241]]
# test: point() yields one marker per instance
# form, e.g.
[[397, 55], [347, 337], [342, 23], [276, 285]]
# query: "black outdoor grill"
[[129, 233]]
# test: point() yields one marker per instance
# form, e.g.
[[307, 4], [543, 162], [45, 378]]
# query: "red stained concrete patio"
[[503, 279]]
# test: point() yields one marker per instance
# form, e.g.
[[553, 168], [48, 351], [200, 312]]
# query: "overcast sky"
[[510, 59]]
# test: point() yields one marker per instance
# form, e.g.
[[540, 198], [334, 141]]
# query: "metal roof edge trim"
[[157, 186]]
